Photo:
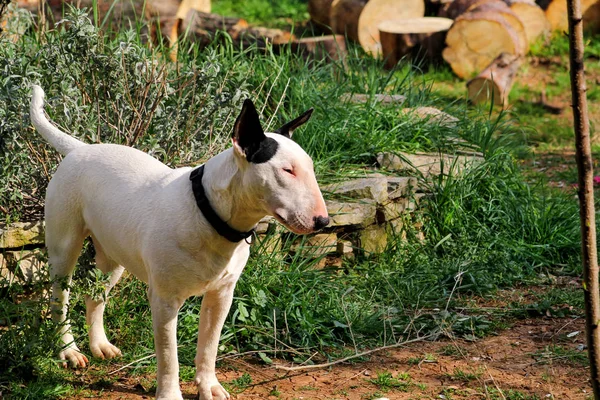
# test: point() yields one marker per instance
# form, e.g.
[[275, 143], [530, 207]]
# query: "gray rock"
[[373, 239], [345, 249], [400, 186], [265, 225], [431, 116], [19, 234], [27, 265], [396, 209], [316, 246], [428, 164], [359, 98], [374, 188], [345, 214]]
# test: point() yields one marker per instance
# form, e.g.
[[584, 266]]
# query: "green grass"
[[556, 354], [485, 229], [272, 13]]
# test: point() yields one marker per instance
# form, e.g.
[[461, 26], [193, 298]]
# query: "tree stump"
[[319, 13], [417, 37], [494, 82], [532, 16], [377, 11], [476, 38], [344, 15]]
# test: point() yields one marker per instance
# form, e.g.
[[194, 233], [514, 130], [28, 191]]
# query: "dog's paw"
[[74, 358], [105, 350], [169, 396], [210, 389]]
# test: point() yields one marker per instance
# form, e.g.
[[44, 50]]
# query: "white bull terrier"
[[183, 231]]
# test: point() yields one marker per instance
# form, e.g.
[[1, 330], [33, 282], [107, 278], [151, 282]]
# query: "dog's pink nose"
[[320, 222]]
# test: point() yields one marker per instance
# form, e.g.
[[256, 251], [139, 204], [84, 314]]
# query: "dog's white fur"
[[142, 216]]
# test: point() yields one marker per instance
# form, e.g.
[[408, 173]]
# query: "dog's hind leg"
[[99, 344], [64, 246]]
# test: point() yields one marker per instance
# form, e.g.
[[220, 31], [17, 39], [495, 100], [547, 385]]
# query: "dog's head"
[[279, 171]]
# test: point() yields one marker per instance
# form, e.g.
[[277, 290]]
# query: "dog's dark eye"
[[289, 171]]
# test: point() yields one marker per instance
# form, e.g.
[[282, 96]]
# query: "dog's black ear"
[[249, 139], [247, 130], [288, 129]]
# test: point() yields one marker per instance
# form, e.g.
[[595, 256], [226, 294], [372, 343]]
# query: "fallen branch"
[[365, 353]]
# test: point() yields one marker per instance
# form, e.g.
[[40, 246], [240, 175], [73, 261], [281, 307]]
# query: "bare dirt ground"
[[535, 359]]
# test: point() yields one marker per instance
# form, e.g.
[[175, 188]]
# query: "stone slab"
[[20, 234], [431, 116], [428, 164], [373, 188], [347, 214], [373, 239], [316, 246]]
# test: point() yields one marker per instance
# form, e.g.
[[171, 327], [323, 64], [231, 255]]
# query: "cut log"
[[187, 5], [377, 11], [421, 38], [344, 15], [500, 8], [319, 12], [556, 12], [318, 48], [200, 27], [532, 16], [476, 39], [494, 83], [457, 8], [162, 21], [591, 18]]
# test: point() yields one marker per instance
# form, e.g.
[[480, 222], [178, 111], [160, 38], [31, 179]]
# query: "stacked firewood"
[[480, 39]]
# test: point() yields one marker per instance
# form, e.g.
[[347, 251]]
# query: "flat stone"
[[431, 116], [373, 239], [374, 188], [26, 264], [359, 98], [19, 234], [6, 275], [316, 246], [396, 209], [268, 243], [346, 214], [265, 225], [428, 164], [345, 249], [400, 186]]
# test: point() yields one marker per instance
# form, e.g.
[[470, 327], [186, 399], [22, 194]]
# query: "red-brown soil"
[[523, 362]]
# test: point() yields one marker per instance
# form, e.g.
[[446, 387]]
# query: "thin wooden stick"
[[364, 353], [591, 286]]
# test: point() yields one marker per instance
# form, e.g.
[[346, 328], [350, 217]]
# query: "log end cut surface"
[[377, 11], [475, 40], [416, 25]]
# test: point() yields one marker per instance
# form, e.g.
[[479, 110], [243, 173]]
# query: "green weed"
[[385, 381]]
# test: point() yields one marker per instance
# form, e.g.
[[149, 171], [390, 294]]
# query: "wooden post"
[[591, 287]]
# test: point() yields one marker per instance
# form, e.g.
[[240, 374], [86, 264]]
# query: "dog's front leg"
[[215, 306], [164, 322]]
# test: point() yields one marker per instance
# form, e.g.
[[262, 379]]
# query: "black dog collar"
[[209, 213]]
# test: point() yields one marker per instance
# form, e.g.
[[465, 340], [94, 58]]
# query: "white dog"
[[180, 230]]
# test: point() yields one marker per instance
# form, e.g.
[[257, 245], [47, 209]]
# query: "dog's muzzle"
[[320, 222]]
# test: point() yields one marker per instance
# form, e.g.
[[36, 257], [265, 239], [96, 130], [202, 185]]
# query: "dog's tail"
[[58, 139]]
